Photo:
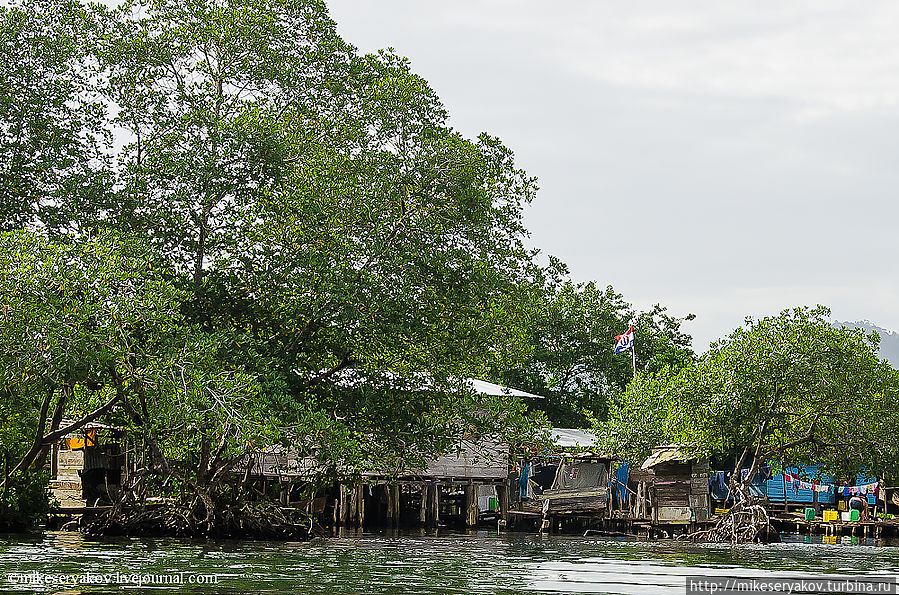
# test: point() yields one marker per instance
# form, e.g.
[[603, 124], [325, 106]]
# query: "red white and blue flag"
[[625, 340]]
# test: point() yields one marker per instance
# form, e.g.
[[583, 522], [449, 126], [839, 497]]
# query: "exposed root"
[[741, 524], [250, 520]]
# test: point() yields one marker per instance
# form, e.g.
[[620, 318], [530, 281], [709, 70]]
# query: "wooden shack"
[[466, 485], [580, 488], [87, 466], [456, 488], [678, 488]]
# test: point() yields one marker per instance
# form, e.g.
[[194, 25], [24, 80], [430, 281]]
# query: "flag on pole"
[[625, 340]]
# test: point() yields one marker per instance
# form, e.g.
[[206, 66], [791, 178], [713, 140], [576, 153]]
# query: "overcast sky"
[[720, 158]]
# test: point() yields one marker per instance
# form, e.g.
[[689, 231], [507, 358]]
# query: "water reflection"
[[416, 562]]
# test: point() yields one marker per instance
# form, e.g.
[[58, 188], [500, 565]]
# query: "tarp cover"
[[576, 475]]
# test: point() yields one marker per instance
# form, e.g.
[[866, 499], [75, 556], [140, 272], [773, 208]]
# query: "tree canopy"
[[231, 208], [790, 388], [572, 362]]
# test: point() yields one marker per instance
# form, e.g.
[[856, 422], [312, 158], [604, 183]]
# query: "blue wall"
[[774, 487]]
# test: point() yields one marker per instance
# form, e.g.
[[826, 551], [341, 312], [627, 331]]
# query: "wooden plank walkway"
[[869, 528]]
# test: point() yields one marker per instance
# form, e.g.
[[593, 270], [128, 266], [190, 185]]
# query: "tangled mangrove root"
[[249, 520], [741, 524]]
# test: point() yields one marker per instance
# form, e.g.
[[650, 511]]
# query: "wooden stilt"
[[343, 508], [352, 501], [395, 502], [335, 508], [423, 506], [388, 498], [503, 493], [471, 505], [360, 504], [432, 517]]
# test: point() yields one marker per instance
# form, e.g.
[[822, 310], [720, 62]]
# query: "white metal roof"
[[423, 381], [488, 388], [572, 438]]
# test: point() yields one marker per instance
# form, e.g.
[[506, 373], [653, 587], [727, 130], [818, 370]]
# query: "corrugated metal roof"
[[663, 456]]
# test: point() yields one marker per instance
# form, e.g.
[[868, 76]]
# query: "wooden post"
[[423, 506], [343, 515], [639, 508], [388, 493], [471, 504], [436, 504], [395, 500], [647, 504], [336, 507], [360, 505], [353, 505], [503, 493], [638, 503], [786, 506], [433, 505]]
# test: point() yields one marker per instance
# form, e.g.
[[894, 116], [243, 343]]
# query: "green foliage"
[[324, 218], [24, 501], [283, 212], [74, 309], [573, 362], [81, 323], [791, 388], [53, 139]]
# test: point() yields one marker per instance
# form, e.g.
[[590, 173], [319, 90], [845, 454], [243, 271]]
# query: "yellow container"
[[831, 515], [841, 505]]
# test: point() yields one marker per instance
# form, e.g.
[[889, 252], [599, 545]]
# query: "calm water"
[[411, 563]]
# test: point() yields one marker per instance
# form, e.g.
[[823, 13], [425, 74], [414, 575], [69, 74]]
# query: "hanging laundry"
[[523, 481], [719, 485]]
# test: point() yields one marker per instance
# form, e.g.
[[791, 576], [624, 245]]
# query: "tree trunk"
[[55, 420], [35, 449]]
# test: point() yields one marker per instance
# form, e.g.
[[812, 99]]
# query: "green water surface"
[[481, 562]]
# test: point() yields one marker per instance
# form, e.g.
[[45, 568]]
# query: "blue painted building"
[[773, 487]]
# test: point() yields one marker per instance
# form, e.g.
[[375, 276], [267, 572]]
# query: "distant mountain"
[[889, 340]]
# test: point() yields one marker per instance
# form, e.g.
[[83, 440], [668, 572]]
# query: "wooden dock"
[[875, 528]]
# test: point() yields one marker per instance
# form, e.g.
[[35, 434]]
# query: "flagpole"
[[634, 354]]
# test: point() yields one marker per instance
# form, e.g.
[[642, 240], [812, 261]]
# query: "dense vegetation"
[[224, 228], [791, 388], [215, 212]]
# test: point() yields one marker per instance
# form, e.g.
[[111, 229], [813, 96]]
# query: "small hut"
[[678, 487], [580, 488], [87, 465]]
